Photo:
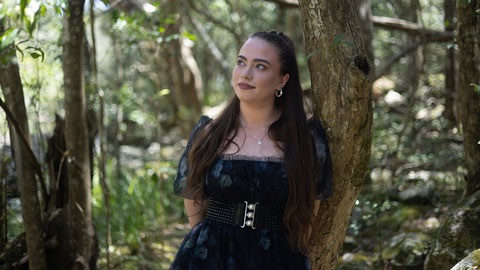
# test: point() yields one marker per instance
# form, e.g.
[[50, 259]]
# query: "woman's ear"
[[284, 80]]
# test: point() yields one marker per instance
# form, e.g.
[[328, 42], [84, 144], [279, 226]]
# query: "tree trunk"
[[25, 162], [449, 20], [459, 232], [364, 9], [468, 90], [78, 209], [187, 86], [341, 82], [102, 164]]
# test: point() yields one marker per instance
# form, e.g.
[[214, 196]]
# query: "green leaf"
[[8, 38], [41, 10], [348, 43], [23, 5], [170, 20], [36, 55], [155, 178], [338, 39], [476, 87], [190, 36], [28, 25], [164, 92], [312, 54], [36, 52]]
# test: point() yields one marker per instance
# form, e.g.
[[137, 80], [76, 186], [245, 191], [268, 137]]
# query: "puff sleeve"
[[180, 180], [323, 159]]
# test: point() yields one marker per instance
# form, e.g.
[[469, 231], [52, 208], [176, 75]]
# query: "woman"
[[252, 178]]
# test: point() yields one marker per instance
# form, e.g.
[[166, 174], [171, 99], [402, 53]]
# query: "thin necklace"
[[259, 140]]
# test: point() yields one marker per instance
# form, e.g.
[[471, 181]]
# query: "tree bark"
[[25, 162], [459, 232], [102, 164], [78, 209], [187, 86], [468, 89], [389, 23], [364, 9], [450, 70], [341, 81]]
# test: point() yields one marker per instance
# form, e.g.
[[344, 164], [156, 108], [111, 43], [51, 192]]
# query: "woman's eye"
[[240, 62], [261, 66]]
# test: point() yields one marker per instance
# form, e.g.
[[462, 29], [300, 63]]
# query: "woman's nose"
[[247, 74]]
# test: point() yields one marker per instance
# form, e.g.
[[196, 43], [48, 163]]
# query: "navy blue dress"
[[235, 178]]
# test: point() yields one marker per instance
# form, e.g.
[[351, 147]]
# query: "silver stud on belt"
[[249, 216]]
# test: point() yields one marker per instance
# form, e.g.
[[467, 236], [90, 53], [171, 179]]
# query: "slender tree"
[[364, 9], [450, 78], [468, 90], [341, 82], [78, 209], [187, 85], [26, 165], [459, 232]]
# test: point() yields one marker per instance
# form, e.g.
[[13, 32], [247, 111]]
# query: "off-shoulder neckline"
[[251, 158]]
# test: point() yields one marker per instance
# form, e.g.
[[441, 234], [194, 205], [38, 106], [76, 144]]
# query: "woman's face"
[[256, 74]]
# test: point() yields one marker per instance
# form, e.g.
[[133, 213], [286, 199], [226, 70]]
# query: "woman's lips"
[[245, 86]]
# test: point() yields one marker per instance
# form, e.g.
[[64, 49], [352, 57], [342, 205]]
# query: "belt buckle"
[[249, 215]]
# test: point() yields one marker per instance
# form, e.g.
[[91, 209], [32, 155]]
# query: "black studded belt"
[[245, 215]]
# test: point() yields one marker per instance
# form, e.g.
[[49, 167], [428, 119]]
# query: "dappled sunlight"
[[157, 251]]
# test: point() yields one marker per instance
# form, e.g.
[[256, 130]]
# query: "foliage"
[[412, 144], [141, 201], [23, 20], [412, 141], [411, 248]]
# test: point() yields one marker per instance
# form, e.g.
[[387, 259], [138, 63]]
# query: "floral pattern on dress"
[[234, 178]]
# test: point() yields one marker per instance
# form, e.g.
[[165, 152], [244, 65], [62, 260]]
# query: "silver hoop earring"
[[279, 92]]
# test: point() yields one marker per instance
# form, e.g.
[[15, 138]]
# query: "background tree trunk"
[[459, 233], [78, 209], [185, 75], [468, 90], [364, 9], [341, 82], [450, 74], [25, 162]]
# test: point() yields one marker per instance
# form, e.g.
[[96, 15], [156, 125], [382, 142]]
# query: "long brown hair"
[[291, 133]]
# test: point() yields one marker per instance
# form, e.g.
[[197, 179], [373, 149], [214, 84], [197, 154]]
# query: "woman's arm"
[[195, 211]]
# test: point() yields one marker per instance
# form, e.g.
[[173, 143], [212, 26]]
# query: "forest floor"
[[379, 219], [157, 252]]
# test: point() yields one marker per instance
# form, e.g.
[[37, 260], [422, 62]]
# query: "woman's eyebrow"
[[255, 59]]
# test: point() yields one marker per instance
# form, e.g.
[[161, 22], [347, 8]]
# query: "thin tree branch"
[[393, 24], [36, 166], [217, 54], [214, 20], [286, 3], [386, 67], [413, 29]]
